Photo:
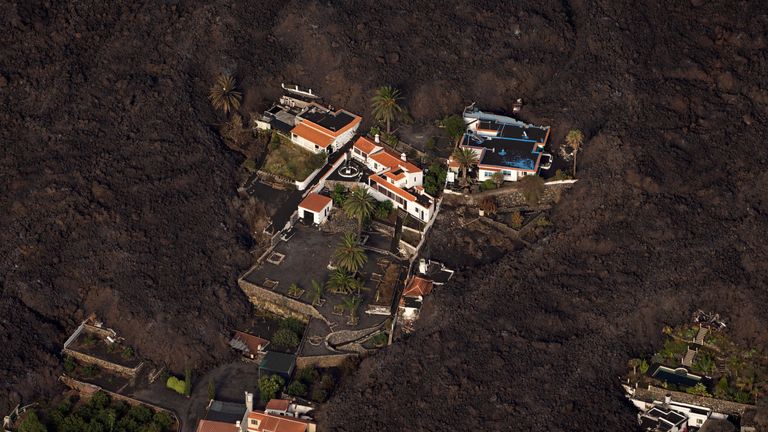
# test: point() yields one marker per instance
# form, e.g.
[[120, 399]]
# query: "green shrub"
[[69, 364], [250, 165], [31, 423], [187, 381], [163, 420], [297, 388], [127, 353], [431, 144], [339, 195], [274, 142], [487, 185], [269, 386], [454, 126], [285, 339], [176, 385], [643, 367], [561, 175], [308, 375], [699, 390], [722, 389], [100, 400], [211, 390], [543, 222], [434, 180], [293, 325], [322, 390], [91, 370]]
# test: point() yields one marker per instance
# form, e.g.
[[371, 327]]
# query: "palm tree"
[[465, 158], [349, 255], [359, 205], [574, 138], [385, 105], [351, 304], [341, 282], [224, 94], [317, 292]]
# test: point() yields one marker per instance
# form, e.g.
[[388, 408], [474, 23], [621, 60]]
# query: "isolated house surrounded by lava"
[[320, 129], [503, 144], [394, 178]]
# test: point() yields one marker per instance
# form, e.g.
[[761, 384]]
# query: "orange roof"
[[271, 423], [311, 134], [394, 189], [417, 286], [315, 202], [278, 404], [365, 145], [393, 176], [392, 161], [254, 343], [215, 426]]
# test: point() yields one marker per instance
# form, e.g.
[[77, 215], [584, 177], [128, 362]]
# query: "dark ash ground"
[[119, 198]]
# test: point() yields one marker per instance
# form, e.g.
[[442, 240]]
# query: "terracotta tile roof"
[[254, 343], [392, 161], [215, 426], [417, 286], [315, 202], [394, 189], [365, 145], [312, 134], [400, 175], [271, 423], [278, 404]]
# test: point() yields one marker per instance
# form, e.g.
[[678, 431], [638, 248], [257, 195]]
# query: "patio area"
[[305, 257]]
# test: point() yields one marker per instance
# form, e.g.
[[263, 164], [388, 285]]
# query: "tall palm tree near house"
[[341, 282], [385, 105], [359, 205], [574, 138], [465, 158], [349, 255], [351, 304], [224, 94]]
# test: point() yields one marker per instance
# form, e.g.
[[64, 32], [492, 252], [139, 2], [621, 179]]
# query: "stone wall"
[[278, 303], [86, 389], [326, 361], [103, 364], [511, 196]]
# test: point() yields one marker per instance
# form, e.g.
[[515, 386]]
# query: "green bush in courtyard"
[[285, 339], [176, 385], [269, 386]]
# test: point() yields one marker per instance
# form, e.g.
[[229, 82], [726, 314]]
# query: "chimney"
[[249, 401], [237, 425], [377, 138], [667, 400], [403, 156]]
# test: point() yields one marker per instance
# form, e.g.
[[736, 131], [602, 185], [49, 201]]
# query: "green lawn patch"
[[287, 159]]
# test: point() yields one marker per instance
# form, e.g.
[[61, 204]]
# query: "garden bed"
[[114, 352], [291, 161]]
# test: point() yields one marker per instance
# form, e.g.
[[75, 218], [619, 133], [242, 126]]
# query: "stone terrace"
[[305, 257]]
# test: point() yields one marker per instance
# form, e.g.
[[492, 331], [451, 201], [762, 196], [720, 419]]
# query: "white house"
[[394, 178], [315, 208], [319, 129], [503, 145]]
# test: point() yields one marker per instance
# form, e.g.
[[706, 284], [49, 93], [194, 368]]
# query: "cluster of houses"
[[502, 144], [280, 415]]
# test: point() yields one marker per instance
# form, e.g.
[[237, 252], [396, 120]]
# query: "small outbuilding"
[[315, 208], [275, 363]]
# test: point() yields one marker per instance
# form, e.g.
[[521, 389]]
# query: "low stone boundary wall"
[[104, 364], [88, 389], [301, 185], [326, 361], [278, 303]]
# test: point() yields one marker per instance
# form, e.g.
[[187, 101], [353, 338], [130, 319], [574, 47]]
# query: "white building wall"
[[306, 144], [343, 138]]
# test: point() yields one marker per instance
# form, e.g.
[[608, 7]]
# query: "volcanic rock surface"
[[119, 198]]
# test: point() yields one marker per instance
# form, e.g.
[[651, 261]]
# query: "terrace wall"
[[88, 389], [278, 303], [103, 364], [326, 361]]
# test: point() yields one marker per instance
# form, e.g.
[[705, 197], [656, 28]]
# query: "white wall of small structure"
[[317, 218]]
